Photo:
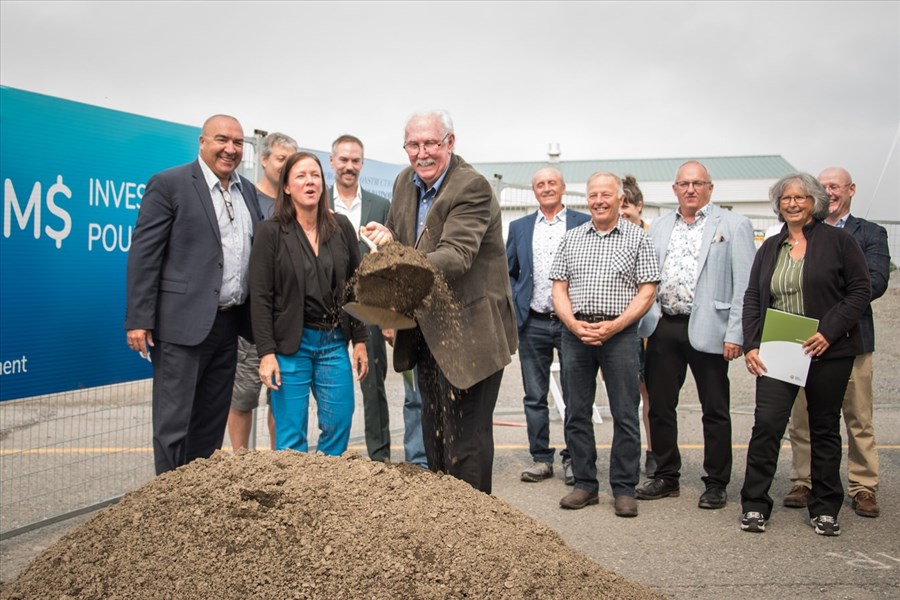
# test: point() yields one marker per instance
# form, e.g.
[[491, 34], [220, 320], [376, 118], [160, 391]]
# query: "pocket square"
[[718, 238]]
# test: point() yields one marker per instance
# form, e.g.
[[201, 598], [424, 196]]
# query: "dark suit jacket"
[[278, 288], [872, 238], [374, 208], [175, 262], [835, 283], [519, 255], [463, 239]]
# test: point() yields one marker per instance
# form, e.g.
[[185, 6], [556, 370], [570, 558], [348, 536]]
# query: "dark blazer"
[[373, 208], [277, 284], [873, 241], [519, 255], [463, 239], [835, 283], [175, 261]]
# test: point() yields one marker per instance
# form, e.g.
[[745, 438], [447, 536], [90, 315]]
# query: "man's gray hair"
[[276, 139], [616, 178], [442, 115]]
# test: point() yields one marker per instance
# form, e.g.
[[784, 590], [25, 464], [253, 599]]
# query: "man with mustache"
[[186, 287], [446, 209]]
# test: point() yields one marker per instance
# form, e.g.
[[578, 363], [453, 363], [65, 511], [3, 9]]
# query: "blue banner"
[[73, 177]]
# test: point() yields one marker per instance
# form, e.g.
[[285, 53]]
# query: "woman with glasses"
[[300, 266], [817, 271]]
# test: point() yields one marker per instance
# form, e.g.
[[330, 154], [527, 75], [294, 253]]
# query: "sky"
[[815, 82]]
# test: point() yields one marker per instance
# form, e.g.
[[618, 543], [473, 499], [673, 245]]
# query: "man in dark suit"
[[186, 287], [530, 247], [862, 458], [446, 209], [349, 199]]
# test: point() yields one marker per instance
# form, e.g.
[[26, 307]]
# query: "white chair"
[[560, 404]]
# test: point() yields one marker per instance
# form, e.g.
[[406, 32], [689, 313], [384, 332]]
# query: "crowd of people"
[[234, 287]]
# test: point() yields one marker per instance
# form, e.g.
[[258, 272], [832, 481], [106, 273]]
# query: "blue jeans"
[[618, 359], [322, 364], [538, 337], [413, 444]]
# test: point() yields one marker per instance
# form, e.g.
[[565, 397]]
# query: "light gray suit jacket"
[[726, 255]]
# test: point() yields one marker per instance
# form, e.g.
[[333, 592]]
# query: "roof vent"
[[553, 154]]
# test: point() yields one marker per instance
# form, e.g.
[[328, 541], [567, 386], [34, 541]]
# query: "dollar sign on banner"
[[59, 188]]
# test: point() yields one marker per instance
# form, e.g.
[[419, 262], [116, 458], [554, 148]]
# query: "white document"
[[781, 348]]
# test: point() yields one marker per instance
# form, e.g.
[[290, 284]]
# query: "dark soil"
[[396, 277], [292, 525]]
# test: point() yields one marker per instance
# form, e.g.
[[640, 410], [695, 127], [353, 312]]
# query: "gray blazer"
[[726, 255], [175, 261]]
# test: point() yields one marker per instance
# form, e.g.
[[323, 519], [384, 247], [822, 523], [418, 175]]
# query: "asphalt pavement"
[[673, 546]]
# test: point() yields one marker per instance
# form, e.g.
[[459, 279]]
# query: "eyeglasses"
[[833, 187], [798, 199], [412, 148], [229, 207], [698, 185]]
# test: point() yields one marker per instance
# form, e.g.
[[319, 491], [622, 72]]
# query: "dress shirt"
[[842, 221], [546, 240], [604, 270], [426, 198], [679, 270], [235, 233], [354, 211]]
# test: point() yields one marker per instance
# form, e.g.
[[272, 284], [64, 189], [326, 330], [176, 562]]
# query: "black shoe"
[[754, 522], [825, 525], [713, 497], [655, 489]]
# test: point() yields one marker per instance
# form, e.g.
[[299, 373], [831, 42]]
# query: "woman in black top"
[[817, 271], [300, 266]]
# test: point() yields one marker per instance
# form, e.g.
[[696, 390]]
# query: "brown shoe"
[[578, 498], [626, 506], [798, 497], [865, 505]]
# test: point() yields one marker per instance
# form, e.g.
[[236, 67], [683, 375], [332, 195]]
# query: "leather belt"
[[678, 317], [550, 316], [594, 318]]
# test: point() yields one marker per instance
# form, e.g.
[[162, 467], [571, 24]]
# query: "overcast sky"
[[816, 82]]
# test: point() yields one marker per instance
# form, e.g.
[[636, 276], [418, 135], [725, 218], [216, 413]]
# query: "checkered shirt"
[[604, 270]]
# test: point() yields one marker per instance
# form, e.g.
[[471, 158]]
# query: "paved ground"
[[673, 546]]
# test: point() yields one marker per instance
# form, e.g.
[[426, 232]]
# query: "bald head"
[[548, 187], [840, 188], [222, 146]]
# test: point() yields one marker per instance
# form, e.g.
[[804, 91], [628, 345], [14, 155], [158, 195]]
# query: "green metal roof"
[[643, 169]]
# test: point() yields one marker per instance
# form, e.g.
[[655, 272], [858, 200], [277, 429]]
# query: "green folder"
[[781, 347]]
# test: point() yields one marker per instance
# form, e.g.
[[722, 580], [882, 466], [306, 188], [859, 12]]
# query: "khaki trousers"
[[862, 459]]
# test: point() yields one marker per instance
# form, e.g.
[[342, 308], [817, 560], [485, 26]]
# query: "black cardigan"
[[277, 284], [836, 288]]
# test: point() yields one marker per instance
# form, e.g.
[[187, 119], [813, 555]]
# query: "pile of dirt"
[[293, 525], [396, 277]]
